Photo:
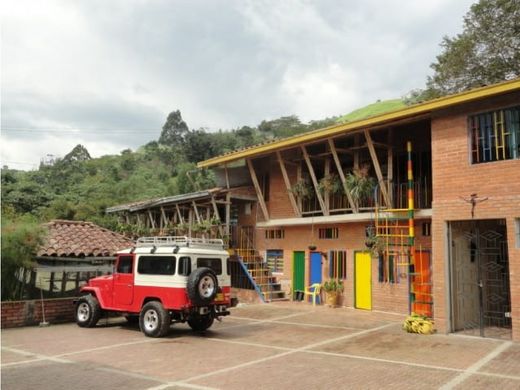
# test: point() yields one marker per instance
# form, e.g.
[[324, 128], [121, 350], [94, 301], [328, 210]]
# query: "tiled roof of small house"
[[79, 239]]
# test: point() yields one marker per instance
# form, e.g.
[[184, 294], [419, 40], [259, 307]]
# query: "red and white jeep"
[[162, 280]]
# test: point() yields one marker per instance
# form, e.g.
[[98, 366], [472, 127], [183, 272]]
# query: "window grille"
[[274, 234], [495, 135], [328, 233], [338, 264], [275, 260]]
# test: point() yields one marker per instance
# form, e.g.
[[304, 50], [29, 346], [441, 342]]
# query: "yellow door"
[[363, 280]]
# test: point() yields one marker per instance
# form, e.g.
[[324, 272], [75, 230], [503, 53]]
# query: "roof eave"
[[408, 112]]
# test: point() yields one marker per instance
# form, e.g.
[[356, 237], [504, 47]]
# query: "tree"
[[20, 241], [79, 153], [174, 130], [486, 52]]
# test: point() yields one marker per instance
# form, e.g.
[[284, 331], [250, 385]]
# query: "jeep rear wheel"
[[154, 320], [200, 324], [202, 286], [88, 311]]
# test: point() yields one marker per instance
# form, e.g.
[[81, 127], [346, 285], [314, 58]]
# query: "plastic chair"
[[314, 291]]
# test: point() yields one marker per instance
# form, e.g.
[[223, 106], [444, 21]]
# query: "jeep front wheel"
[[88, 311], [202, 286], [154, 320], [200, 324]]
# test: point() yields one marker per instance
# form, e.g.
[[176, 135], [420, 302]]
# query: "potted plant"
[[331, 184], [359, 184], [302, 189], [333, 288]]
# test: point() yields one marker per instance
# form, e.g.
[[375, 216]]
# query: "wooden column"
[[292, 199], [227, 176], [377, 167], [181, 219], [258, 190], [228, 213], [390, 167], [314, 180], [342, 175], [152, 222], [196, 211]]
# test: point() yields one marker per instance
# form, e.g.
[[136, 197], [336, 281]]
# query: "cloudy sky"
[[106, 73]]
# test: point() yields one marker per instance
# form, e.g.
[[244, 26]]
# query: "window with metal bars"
[[275, 260], [495, 135], [338, 264], [274, 234], [328, 233]]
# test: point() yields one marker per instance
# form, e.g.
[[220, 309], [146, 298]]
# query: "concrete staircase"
[[265, 283]]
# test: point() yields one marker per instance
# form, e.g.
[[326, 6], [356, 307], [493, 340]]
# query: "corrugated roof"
[[79, 238], [131, 207], [405, 113]]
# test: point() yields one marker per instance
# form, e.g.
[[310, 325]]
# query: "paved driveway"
[[273, 346]]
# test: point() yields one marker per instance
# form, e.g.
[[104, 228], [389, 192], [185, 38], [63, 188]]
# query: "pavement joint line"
[[360, 357], [290, 352], [38, 357], [255, 321], [183, 385], [473, 369], [144, 341]]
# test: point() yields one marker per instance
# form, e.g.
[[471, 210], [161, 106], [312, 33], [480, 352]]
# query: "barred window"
[[338, 264], [495, 135], [274, 234], [386, 269], [426, 229], [328, 233], [275, 260]]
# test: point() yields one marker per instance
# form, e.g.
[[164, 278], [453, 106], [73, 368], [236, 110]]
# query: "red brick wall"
[[454, 177], [24, 313], [385, 296]]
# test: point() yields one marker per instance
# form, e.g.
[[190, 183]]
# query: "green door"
[[298, 279]]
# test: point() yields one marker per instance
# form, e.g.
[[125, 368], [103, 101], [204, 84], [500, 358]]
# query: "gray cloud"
[[124, 65]]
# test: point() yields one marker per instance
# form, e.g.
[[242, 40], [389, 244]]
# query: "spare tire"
[[202, 286]]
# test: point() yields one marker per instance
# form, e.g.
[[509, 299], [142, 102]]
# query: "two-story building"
[[433, 189]]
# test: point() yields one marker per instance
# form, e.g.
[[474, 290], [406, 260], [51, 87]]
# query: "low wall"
[[245, 296], [25, 313]]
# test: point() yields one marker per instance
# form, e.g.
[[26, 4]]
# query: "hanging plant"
[[331, 184], [302, 189], [359, 184], [375, 244]]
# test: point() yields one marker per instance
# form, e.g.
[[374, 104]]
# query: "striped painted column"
[[411, 229]]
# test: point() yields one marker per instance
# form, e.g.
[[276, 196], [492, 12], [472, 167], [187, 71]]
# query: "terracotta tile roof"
[[78, 239]]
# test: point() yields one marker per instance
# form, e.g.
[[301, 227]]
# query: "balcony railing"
[[338, 203]]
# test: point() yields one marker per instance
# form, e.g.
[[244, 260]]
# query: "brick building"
[[445, 234]]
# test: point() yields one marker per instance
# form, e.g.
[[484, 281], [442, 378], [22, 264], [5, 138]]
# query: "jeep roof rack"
[[209, 243]]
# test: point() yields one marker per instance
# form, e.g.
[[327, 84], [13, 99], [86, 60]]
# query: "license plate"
[[219, 297]]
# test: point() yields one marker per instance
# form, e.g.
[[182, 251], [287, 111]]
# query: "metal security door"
[[362, 280], [298, 277], [315, 267], [481, 301]]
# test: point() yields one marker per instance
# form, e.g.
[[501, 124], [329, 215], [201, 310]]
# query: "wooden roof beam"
[[314, 180], [377, 167], [258, 189], [288, 184]]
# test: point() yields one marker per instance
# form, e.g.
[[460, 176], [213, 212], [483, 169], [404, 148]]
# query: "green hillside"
[[373, 109]]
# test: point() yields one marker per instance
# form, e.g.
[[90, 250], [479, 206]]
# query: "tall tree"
[[486, 52], [174, 130]]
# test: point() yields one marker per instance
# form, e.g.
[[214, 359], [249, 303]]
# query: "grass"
[[373, 109]]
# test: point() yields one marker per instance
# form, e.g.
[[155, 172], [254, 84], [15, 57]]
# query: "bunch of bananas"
[[417, 323]]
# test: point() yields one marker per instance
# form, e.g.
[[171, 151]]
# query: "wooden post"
[[356, 152], [181, 219], [377, 167], [292, 199], [390, 167], [227, 176], [342, 175], [196, 211], [228, 212], [258, 189], [164, 219], [152, 222], [314, 180], [63, 283]]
